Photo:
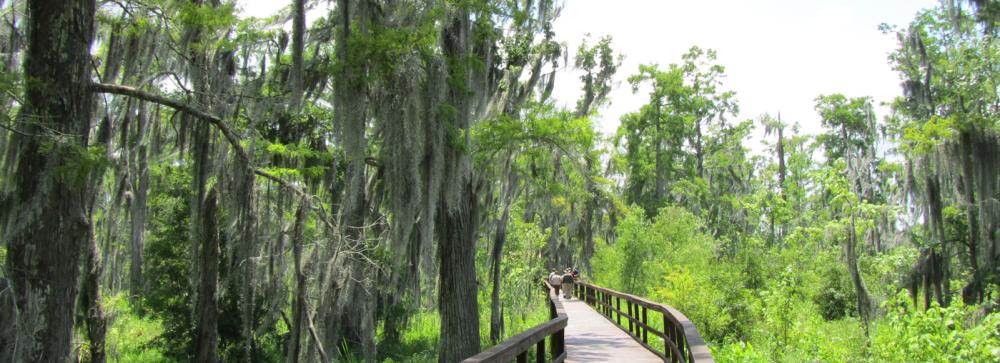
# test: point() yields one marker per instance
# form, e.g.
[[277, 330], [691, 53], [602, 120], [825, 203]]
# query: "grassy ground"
[[130, 336]]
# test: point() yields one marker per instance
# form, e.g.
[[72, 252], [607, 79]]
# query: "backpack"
[[555, 280]]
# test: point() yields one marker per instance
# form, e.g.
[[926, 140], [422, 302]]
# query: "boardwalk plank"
[[590, 337]]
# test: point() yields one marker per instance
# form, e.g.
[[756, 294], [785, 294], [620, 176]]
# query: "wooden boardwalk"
[[590, 337], [575, 332]]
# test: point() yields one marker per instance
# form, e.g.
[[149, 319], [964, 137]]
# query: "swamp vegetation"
[[388, 180]]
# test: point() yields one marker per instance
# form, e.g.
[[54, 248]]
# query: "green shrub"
[[130, 337], [836, 297], [739, 352], [167, 292], [952, 334]]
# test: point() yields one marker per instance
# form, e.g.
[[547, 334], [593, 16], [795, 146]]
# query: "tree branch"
[[216, 121], [177, 105]]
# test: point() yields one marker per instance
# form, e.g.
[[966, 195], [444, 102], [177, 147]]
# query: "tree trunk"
[[90, 300], [457, 300], [298, 43], [496, 257], [141, 189], [781, 155], [197, 68], [864, 300], [975, 286], [299, 307], [587, 226], [699, 149], [353, 317], [47, 225], [660, 168], [207, 310], [458, 208]]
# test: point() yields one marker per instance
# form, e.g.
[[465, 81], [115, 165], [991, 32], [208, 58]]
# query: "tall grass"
[[129, 336], [419, 341]]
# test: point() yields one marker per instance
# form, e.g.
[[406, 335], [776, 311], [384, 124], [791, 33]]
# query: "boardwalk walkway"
[[576, 332], [590, 337]]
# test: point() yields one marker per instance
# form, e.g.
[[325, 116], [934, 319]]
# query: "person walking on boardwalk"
[[567, 284], [555, 280]]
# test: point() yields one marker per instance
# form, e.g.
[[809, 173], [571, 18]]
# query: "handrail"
[[517, 346], [681, 340]]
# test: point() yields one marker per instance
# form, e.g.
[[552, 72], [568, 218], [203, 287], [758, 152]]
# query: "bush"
[[952, 334], [167, 295], [836, 298], [130, 337]]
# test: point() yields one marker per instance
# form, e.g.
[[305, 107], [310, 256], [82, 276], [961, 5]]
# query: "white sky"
[[779, 54]]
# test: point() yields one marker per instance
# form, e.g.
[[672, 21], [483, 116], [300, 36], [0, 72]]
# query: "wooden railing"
[[518, 346], [680, 339]]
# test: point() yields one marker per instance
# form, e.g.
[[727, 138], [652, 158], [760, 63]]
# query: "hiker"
[[567, 282], [555, 280]]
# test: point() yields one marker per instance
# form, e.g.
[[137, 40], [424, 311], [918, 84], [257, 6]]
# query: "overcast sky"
[[779, 54]]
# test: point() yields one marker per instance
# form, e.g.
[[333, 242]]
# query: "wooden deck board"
[[590, 337]]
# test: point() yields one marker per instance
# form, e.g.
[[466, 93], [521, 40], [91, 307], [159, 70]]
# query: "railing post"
[[540, 351], [607, 304], [607, 298], [645, 329], [635, 317], [604, 303], [682, 345], [631, 329], [558, 343], [618, 306], [638, 319], [523, 357], [668, 334]]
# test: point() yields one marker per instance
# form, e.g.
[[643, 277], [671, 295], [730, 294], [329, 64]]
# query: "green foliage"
[[521, 295], [851, 125], [543, 126], [645, 249], [836, 298], [385, 49], [599, 64], [168, 297], [691, 216], [670, 143], [763, 303], [418, 342], [738, 353], [131, 336], [953, 334], [75, 163], [923, 138], [211, 18]]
